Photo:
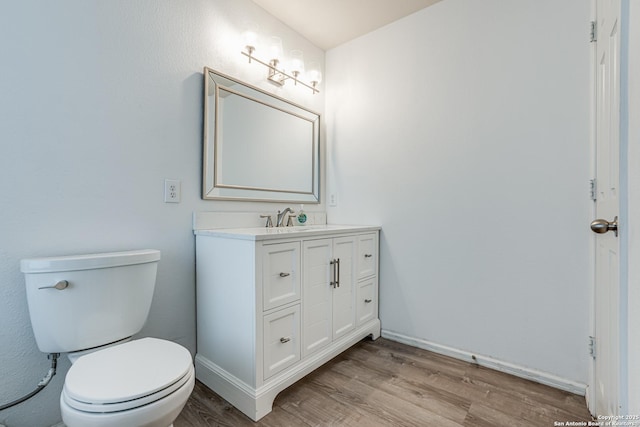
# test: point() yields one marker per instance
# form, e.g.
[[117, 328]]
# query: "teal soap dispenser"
[[302, 217]]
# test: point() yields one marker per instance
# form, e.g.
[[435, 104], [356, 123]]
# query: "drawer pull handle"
[[285, 274], [368, 255], [367, 301], [285, 339]]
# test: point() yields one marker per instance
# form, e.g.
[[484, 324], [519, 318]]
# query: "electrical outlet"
[[333, 199], [171, 191]]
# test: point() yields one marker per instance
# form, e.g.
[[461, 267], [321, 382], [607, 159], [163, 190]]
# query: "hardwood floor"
[[384, 383]]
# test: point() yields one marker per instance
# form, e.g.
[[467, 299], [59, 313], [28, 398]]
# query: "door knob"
[[601, 226]]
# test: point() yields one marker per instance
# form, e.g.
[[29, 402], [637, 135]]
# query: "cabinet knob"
[[368, 255], [367, 301], [285, 274], [285, 339]]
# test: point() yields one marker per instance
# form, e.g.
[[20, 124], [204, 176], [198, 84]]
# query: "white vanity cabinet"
[[329, 311], [275, 304]]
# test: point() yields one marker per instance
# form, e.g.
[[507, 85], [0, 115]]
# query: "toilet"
[[89, 307]]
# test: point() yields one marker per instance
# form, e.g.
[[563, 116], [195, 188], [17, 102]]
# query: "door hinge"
[[592, 347], [593, 192], [593, 32]]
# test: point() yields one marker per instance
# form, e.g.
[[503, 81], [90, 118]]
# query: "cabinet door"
[[366, 301], [367, 255], [281, 340], [317, 299], [280, 274], [344, 314]]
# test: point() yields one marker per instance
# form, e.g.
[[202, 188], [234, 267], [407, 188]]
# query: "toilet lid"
[[126, 372]]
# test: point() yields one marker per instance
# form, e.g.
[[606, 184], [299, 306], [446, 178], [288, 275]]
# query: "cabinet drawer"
[[281, 340], [280, 274], [367, 255], [367, 305]]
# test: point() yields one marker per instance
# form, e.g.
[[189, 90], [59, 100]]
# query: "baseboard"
[[489, 362]]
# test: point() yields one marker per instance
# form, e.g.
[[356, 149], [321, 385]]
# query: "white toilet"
[[89, 306]]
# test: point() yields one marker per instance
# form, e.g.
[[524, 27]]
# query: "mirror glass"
[[257, 146]]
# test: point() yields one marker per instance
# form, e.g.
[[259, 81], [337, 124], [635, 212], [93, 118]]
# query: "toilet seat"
[[127, 376]]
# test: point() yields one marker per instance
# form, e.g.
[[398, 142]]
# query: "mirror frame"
[[212, 188]]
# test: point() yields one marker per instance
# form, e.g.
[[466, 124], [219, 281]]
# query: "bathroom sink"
[[263, 233]]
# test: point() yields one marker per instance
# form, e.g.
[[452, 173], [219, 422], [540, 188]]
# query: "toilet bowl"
[[139, 383], [89, 306]]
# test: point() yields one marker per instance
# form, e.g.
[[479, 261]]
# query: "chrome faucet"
[[281, 215], [268, 224]]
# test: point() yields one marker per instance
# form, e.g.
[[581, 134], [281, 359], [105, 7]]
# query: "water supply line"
[[42, 384]]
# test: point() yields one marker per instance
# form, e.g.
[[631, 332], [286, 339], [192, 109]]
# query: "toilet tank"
[[107, 298]]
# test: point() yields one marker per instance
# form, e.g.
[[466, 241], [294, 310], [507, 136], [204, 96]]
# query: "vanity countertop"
[[264, 233]]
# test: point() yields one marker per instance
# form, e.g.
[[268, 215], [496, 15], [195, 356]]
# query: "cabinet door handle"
[[338, 275], [367, 301], [285, 339], [334, 282], [368, 255], [285, 274]]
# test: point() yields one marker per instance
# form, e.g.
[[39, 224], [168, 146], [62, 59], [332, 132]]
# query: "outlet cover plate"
[[172, 191]]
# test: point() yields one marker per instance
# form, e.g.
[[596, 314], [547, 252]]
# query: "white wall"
[[463, 130], [101, 101]]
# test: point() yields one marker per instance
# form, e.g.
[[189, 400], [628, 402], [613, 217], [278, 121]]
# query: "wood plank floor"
[[384, 383]]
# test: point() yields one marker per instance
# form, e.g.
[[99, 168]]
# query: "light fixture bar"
[[275, 71]]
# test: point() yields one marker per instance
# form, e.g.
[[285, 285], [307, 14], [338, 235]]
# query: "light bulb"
[[275, 49], [297, 63], [250, 36], [314, 75]]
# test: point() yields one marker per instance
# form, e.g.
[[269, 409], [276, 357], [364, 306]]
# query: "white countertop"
[[263, 233]]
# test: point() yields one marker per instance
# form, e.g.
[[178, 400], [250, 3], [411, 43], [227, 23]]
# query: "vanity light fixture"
[[277, 73]]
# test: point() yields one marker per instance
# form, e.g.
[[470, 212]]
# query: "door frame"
[[630, 149], [593, 90], [629, 387]]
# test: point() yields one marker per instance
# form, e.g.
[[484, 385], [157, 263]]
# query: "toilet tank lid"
[[88, 262]]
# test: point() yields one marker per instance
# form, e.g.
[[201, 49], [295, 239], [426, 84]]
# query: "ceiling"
[[329, 23]]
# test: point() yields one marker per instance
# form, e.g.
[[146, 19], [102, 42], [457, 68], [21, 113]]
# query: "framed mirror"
[[257, 146]]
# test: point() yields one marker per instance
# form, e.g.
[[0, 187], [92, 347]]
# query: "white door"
[[318, 295], [607, 283], [344, 313], [329, 291]]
